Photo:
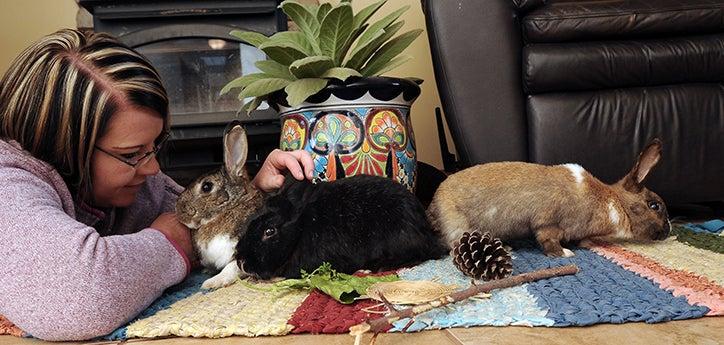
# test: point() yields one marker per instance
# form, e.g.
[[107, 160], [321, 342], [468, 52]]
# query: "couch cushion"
[[560, 21], [616, 124], [594, 65]]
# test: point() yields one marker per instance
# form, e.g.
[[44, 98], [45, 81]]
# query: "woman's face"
[[130, 132]]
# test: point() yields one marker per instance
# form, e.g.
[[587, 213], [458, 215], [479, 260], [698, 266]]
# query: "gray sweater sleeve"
[[62, 280]]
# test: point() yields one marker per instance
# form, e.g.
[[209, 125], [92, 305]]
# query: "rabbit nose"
[[661, 235], [664, 232]]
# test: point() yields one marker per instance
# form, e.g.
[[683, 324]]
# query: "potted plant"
[[326, 82]]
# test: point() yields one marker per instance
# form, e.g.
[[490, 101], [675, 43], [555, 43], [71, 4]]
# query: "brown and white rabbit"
[[561, 203], [215, 204]]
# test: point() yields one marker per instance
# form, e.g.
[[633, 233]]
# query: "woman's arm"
[[62, 281]]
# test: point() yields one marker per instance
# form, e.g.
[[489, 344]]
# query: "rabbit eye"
[[270, 232], [654, 205], [207, 186]]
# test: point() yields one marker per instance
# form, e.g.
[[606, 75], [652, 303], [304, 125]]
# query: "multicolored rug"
[[679, 278]]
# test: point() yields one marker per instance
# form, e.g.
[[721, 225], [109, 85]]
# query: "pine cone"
[[482, 257]]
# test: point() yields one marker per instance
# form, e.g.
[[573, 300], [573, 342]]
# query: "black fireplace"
[[188, 42]]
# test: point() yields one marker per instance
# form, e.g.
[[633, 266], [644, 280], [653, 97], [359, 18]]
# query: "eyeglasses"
[[137, 158]]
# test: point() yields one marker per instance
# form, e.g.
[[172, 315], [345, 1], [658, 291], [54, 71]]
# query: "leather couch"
[[589, 82]]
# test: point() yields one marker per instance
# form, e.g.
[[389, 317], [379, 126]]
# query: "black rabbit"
[[360, 222]]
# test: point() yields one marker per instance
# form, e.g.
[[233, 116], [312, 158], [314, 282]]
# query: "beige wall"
[[23, 21]]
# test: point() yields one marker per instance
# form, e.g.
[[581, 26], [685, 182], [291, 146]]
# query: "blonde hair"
[[58, 95]]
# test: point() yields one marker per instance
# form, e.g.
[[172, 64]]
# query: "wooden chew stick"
[[378, 325]]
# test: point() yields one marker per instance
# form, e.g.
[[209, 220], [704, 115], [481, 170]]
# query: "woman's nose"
[[149, 168]]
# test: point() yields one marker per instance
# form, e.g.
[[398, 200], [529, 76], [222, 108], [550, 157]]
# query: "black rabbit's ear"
[[279, 202], [297, 192], [289, 180]]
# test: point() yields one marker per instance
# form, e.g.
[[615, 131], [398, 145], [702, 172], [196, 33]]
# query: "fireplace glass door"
[[194, 70]]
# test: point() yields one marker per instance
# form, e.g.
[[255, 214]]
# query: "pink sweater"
[[70, 272]]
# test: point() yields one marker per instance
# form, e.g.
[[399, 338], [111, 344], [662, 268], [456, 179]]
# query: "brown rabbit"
[[561, 203], [215, 204]]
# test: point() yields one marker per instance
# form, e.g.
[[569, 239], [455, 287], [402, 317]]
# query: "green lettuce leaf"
[[342, 287]]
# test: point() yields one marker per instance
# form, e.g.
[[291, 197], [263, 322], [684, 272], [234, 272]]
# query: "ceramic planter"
[[359, 127]]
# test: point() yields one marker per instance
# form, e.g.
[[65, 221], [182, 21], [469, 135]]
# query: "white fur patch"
[[226, 277], [576, 170], [195, 224], [191, 225], [615, 217], [490, 213], [613, 214], [205, 221], [218, 252]]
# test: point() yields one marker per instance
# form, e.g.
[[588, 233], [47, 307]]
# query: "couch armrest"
[[476, 52], [527, 5]]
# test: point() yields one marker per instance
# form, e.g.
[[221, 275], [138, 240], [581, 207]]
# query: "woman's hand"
[[271, 174], [168, 224]]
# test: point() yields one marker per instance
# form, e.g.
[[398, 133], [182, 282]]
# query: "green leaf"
[[389, 51], [352, 37], [242, 81], [323, 10], [263, 87], [291, 39], [306, 21], [380, 25], [311, 67], [392, 64], [361, 284], [336, 28], [345, 288], [274, 69], [312, 8], [339, 290], [253, 38], [364, 14], [293, 284], [342, 287], [282, 53], [341, 73], [299, 90], [251, 105], [361, 54]]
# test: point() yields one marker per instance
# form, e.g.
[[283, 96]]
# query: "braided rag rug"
[[678, 278]]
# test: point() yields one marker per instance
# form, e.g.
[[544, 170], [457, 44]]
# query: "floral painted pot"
[[359, 127]]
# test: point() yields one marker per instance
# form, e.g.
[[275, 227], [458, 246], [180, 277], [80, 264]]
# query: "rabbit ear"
[[279, 202], [236, 149], [647, 160]]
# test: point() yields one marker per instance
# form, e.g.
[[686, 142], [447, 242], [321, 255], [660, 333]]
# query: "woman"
[[88, 237]]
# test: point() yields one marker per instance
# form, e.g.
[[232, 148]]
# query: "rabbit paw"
[[226, 277], [562, 252], [586, 243]]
